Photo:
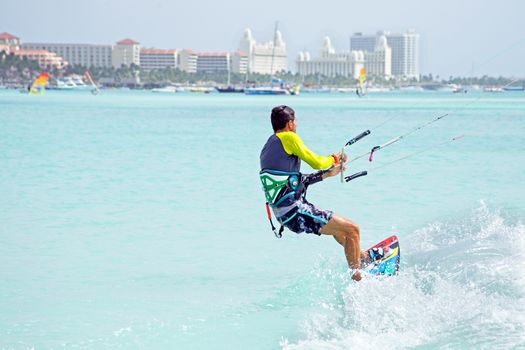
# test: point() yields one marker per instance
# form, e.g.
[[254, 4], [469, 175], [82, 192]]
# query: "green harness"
[[277, 187]]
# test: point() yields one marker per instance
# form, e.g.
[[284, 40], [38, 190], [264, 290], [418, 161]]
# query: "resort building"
[[86, 55], [9, 42], [264, 58], [239, 62], [188, 61], [158, 59], [45, 59], [405, 50], [378, 62], [329, 63], [210, 62], [125, 53]]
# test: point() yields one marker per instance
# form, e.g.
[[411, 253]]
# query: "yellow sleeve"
[[293, 144]]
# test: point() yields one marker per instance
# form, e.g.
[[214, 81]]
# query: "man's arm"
[[293, 144]]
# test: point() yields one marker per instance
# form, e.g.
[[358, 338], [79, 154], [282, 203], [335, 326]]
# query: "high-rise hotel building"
[[264, 58], [87, 55], [405, 50], [329, 63], [158, 59], [377, 62]]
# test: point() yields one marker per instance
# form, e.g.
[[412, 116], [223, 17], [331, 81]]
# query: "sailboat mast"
[[273, 46]]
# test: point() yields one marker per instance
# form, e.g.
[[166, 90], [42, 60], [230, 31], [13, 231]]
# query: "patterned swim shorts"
[[306, 218]]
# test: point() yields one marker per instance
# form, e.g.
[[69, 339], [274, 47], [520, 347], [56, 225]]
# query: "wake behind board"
[[384, 258]]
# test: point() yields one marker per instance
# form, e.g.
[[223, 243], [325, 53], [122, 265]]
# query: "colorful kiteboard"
[[383, 258]]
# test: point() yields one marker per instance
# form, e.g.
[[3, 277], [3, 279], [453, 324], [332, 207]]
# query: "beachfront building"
[[239, 62], [330, 63], [211, 62], [9, 42], [405, 50], [188, 61], [158, 59], [125, 53], [378, 63], [86, 55], [45, 59], [405, 54], [264, 58]]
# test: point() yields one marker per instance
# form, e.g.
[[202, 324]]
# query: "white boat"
[[65, 84], [268, 90], [166, 89], [492, 89]]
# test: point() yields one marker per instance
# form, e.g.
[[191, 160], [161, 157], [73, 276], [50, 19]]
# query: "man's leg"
[[347, 234]]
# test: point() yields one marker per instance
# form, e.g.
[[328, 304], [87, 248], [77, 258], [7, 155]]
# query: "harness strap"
[[277, 234]]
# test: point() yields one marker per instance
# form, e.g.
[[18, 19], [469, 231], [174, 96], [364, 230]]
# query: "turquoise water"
[[132, 220]]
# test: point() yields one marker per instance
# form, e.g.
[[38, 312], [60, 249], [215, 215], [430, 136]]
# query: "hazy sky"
[[454, 33]]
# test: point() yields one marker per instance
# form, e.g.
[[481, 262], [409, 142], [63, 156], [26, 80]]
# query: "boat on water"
[[266, 90], [492, 89], [166, 89], [229, 89], [459, 90], [95, 90], [63, 84], [206, 90], [514, 88]]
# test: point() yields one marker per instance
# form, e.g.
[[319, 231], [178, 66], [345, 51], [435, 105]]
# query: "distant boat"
[[230, 89], [95, 90], [361, 83], [38, 85], [514, 88], [64, 84], [201, 89], [166, 89], [265, 90], [492, 89], [459, 90]]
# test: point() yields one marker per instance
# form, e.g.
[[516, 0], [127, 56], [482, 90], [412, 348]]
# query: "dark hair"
[[281, 115]]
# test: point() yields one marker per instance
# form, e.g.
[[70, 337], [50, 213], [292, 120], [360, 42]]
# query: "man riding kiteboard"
[[285, 187]]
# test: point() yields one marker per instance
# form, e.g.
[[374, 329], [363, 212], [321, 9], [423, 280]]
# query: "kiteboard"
[[383, 258]]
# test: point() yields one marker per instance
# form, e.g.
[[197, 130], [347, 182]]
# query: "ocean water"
[[133, 220]]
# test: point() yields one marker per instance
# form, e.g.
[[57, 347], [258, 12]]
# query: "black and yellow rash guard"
[[285, 150], [281, 156]]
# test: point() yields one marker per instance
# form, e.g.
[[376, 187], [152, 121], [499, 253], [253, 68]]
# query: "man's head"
[[283, 117]]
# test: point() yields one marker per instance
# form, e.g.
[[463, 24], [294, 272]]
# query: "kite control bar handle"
[[356, 175], [358, 137]]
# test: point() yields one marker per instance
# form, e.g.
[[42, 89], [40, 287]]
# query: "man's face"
[[292, 124]]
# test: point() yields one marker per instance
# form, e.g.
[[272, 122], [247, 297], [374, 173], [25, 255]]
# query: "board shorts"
[[306, 218]]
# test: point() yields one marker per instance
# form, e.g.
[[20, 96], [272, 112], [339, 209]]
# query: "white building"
[[405, 54], [87, 55], [329, 63], [210, 62], [239, 62], [405, 50], [126, 52], [158, 59], [265, 58], [188, 61], [378, 63]]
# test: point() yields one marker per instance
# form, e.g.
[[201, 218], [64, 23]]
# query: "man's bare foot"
[[356, 276]]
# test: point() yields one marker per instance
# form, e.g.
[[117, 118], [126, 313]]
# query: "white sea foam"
[[461, 286]]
